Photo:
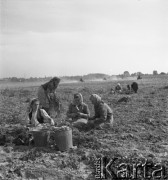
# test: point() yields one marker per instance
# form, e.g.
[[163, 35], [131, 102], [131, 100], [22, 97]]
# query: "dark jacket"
[[40, 118]]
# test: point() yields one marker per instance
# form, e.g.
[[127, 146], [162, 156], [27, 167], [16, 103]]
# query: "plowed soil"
[[140, 131]]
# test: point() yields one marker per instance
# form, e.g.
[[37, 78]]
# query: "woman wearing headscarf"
[[118, 88], [78, 111], [103, 113], [48, 98], [36, 115]]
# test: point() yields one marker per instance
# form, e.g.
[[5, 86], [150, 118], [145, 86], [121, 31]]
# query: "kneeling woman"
[[103, 117], [78, 111], [37, 116]]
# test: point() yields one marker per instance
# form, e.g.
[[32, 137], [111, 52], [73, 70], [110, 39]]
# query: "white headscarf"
[[79, 95]]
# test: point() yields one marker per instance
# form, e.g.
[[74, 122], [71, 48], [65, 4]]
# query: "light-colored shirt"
[[103, 112], [46, 118]]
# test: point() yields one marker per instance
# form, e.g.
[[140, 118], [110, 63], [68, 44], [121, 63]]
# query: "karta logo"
[[121, 169]]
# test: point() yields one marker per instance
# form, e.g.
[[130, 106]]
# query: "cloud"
[[78, 37]]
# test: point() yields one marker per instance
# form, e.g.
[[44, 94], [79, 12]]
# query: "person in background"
[[36, 115], [128, 87], [112, 91], [48, 97], [134, 87], [78, 111], [103, 117], [118, 88]]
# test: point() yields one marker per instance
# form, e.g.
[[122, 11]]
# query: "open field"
[[140, 131]]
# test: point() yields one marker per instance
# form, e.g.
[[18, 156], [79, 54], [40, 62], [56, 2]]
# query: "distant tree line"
[[80, 78], [31, 79]]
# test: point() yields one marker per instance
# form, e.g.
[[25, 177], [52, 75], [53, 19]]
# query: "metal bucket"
[[63, 138]]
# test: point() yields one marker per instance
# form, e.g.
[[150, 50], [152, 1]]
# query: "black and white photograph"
[[83, 89]]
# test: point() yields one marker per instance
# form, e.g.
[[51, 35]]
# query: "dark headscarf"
[[54, 80], [31, 104]]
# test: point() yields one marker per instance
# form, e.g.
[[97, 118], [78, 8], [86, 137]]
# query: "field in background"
[[140, 129], [112, 80]]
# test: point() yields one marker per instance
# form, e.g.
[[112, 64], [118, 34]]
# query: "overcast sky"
[[76, 37]]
